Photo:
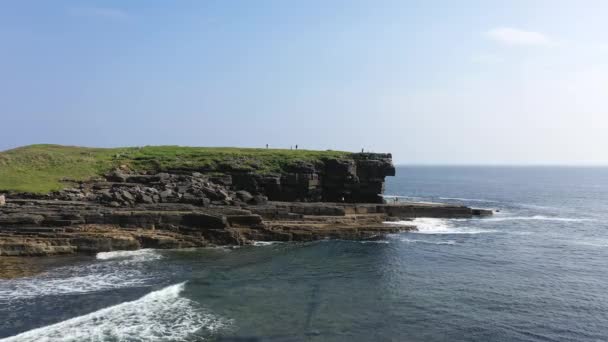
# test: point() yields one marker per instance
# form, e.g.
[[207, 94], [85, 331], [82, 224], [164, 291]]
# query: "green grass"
[[45, 168]]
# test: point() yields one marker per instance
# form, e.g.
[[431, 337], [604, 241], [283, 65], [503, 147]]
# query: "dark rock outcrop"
[[45, 227]]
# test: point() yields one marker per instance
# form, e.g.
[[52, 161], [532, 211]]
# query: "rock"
[[200, 220], [482, 212], [259, 200], [21, 219], [221, 179], [146, 199], [117, 176], [165, 195], [244, 196], [2, 200], [127, 196], [105, 195]]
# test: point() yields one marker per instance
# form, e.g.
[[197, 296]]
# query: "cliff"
[[283, 175], [78, 200]]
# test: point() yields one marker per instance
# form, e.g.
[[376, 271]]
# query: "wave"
[[159, 315], [117, 270], [106, 279], [374, 241], [448, 242], [535, 217], [398, 196], [592, 243], [265, 243], [439, 226], [468, 199], [139, 255]]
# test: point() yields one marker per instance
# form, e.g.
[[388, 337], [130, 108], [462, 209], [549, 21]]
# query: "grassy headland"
[[45, 168]]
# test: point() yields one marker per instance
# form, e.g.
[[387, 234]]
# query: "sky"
[[433, 82]]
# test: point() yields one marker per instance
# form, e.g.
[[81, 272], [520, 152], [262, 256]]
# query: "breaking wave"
[[118, 270], [468, 199], [265, 243], [439, 226], [535, 217], [134, 256], [448, 242], [159, 315]]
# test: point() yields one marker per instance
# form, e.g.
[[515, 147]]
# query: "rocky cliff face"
[[359, 179]]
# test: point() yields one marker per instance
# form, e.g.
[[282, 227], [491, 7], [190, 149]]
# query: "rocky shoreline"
[[127, 210]]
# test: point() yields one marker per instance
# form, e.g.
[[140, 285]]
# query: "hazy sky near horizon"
[[449, 82]]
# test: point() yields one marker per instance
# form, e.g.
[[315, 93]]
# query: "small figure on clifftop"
[[296, 147], [266, 146]]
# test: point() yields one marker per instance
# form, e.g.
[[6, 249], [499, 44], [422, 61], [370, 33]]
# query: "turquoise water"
[[536, 271]]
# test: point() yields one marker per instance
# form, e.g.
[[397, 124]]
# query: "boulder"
[[146, 199], [244, 196], [259, 200], [127, 196], [165, 195], [2, 200], [117, 176]]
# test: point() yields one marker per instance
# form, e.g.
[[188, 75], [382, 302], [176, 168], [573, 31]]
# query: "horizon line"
[[500, 165]]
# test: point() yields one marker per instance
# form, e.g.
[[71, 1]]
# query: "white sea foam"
[[592, 243], [439, 226], [468, 199], [139, 255], [397, 196], [265, 243], [80, 281], [119, 269], [374, 241], [160, 315], [448, 242], [535, 217]]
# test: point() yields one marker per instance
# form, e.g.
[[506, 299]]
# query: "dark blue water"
[[536, 271]]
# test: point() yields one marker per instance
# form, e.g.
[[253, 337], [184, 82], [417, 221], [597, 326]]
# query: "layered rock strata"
[[40, 227]]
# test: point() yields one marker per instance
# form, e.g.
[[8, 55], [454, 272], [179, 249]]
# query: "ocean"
[[535, 271]]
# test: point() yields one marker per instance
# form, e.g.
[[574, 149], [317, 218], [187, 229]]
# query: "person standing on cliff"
[[266, 146], [296, 147]]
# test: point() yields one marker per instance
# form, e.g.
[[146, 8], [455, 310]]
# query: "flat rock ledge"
[[31, 227]]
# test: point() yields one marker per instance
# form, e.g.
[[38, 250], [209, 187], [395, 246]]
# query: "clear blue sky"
[[431, 81]]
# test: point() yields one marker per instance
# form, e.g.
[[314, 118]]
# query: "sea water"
[[535, 271]]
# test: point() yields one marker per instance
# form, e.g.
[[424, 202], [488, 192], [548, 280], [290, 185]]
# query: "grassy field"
[[45, 168]]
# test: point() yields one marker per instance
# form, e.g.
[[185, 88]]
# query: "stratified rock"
[[244, 196], [259, 200], [2, 200]]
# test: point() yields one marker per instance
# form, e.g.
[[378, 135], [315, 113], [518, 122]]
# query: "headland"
[[66, 200]]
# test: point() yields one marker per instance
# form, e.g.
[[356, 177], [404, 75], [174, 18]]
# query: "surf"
[[439, 226], [159, 315]]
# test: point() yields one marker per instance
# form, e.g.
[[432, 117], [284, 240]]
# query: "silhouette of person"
[[296, 147]]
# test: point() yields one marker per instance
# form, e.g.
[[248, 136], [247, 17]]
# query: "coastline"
[[42, 228], [210, 197]]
